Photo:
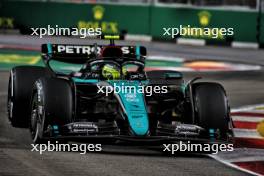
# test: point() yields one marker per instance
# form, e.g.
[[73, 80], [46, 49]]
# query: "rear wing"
[[82, 53]]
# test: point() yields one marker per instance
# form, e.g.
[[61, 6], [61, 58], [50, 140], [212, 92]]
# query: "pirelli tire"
[[51, 105], [212, 108], [21, 81]]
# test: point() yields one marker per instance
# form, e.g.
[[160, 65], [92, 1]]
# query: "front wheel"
[[21, 81], [212, 108], [51, 108]]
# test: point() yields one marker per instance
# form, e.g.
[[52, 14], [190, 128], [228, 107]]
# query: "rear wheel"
[[21, 81], [52, 107], [211, 108]]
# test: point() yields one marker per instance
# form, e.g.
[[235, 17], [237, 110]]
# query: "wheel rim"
[[10, 108], [34, 129], [10, 102], [35, 122]]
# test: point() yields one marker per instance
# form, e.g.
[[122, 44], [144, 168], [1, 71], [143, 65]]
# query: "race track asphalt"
[[243, 88]]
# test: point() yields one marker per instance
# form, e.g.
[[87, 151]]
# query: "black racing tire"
[[211, 107], [21, 81], [52, 104]]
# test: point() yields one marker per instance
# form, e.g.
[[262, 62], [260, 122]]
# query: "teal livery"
[[134, 104], [132, 101]]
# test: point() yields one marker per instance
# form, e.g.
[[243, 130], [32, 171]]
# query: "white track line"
[[166, 58], [246, 133], [246, 159], [217, 158], [196, 42], [250, 107], [131, 37], [247, 118], [245, 45]]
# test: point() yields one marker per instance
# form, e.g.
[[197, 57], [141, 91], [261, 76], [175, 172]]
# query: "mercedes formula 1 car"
[[83, 102]]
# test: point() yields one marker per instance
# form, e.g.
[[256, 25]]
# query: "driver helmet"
[[110, 72]]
